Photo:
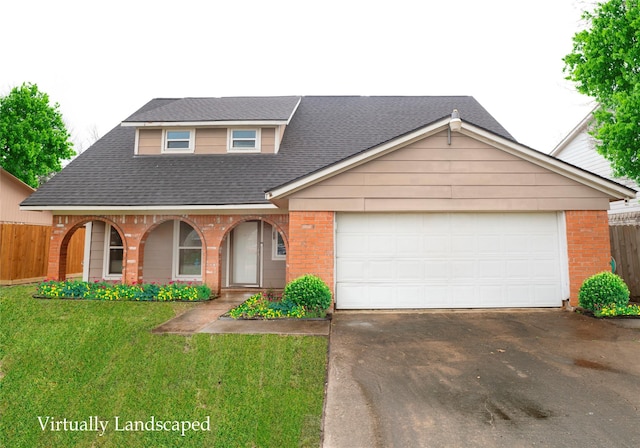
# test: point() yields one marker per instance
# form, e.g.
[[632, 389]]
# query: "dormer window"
[[178, 140], [244, 140]]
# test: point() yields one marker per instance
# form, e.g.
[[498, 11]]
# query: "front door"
[[245, 251]]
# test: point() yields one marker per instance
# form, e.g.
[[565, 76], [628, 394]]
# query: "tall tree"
[[33, 138], [605, 64]]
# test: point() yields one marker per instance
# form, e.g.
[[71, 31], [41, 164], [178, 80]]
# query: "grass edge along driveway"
[[93, 361]]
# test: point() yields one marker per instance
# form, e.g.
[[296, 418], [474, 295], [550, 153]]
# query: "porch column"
[[213, 229], [56, 266], [134, 228]]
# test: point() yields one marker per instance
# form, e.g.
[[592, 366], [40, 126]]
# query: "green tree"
[[605, 64], [33, 137]]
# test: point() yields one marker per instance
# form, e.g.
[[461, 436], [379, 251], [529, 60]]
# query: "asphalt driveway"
[[505, 378]]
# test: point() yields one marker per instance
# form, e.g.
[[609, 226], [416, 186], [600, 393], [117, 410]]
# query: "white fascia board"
[[156, 209], [295, 108], [358, 159], [546, 161], [165, 124], [574, 132]]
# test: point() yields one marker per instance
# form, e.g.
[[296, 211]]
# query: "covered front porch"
[[223, 251]]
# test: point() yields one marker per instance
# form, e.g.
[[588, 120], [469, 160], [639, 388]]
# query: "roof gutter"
[[164, 124], [154, 209]]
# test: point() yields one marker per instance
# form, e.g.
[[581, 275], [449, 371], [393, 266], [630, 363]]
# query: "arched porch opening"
[[93, 249], [172, 250], [253, 254]]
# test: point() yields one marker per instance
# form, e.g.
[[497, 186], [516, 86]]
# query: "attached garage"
[[444, 219], [450, 260]]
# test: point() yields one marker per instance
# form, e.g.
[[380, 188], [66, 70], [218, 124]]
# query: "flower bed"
[[261, 306], [73, 289], [266, 306], [618, 311]]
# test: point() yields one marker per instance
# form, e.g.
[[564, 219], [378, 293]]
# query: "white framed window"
[[278, 249], [244, 140], [187, 260], [178, 140], [114, 254]]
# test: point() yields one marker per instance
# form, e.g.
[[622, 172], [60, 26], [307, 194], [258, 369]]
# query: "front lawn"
[[88, 361]]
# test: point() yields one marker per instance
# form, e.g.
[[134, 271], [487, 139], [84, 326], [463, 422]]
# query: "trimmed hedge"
[[604, 289], [308, 291]]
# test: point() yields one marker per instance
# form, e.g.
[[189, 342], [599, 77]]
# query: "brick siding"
[[311, 248], [588, 247]]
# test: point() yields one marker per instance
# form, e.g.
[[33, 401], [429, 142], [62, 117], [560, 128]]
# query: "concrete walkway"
[[205, 318]]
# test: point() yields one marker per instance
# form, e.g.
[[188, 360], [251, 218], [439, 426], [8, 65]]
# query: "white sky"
[[101, 61]]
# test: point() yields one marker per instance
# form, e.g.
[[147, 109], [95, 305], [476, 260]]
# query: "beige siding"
[[430, 175], [158, 254], [273, 271], [149, 141], [211, 141], [96, 259], [12, 193], [268, 140]]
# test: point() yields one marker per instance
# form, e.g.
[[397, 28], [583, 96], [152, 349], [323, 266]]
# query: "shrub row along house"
[[396, 202]]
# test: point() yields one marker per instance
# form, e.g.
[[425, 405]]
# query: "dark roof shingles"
[[323, 131], [217, 109]]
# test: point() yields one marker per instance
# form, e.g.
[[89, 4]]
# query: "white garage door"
[[449, 260]]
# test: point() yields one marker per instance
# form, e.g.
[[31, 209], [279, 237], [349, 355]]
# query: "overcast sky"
[[101, 61]]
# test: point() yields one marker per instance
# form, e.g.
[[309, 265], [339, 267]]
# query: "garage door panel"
[[382, 270], [353, 245], [409, 269], [435, 245], [435, 269], [448, 260], [492, 269], [351, 270]]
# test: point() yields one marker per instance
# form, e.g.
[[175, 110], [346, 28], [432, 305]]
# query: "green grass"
[[78, 359]]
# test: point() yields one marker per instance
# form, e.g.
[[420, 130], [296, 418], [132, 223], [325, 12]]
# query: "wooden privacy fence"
[[24, 253], [624, 250]]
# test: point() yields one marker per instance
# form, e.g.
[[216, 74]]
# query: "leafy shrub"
[[261, 306], [308, 291], [601, 290], [74, 289]]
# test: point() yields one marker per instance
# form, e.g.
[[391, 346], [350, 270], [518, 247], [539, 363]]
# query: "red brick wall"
[[311, 245], [588, 247]]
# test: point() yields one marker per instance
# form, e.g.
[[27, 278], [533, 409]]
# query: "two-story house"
[[396, 202]]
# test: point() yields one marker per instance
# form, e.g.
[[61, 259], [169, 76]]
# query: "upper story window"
[[178, 140], [244, 140]]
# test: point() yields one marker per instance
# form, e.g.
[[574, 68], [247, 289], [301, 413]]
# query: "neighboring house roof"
[[12, 192], [579, 149], [322, 132]]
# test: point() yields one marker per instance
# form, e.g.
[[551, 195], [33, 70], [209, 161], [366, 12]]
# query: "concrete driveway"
[[499, 378]]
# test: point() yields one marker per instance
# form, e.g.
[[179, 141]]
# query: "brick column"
[[311, 246], [588, 247], [134, 228]]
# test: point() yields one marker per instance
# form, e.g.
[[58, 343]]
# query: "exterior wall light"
[[455, 124]]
